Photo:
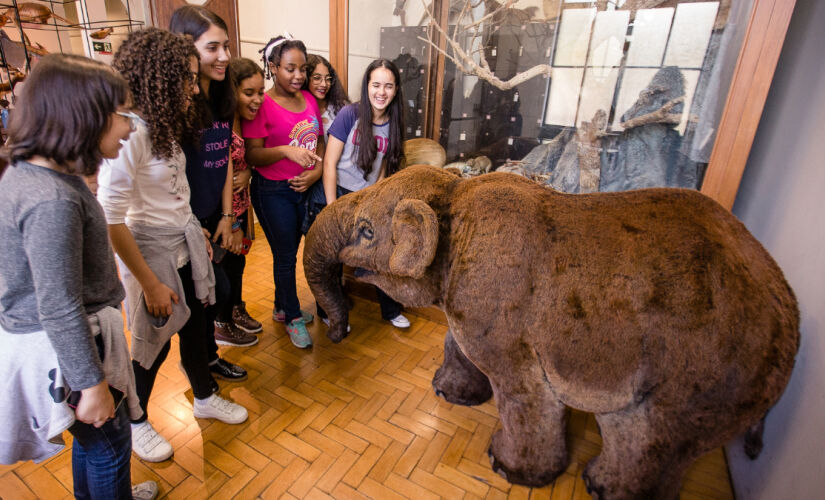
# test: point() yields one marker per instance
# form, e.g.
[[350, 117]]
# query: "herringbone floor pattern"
[[353, 420]]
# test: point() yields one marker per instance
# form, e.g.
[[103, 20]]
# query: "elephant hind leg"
[[458, 380], [641, 457], [530, 448]]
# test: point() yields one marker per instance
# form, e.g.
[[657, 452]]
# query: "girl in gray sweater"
[[59, 290]]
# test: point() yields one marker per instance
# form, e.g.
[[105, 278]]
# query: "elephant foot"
[[336, 333], [616, 483], [458, 380], [594, 487], [528, 473]]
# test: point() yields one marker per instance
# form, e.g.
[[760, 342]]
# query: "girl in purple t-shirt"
[[285, 142]]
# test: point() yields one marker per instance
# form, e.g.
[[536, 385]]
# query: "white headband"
[[269, 48]]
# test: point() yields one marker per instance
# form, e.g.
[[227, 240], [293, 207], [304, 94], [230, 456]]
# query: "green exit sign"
[[102, 47]]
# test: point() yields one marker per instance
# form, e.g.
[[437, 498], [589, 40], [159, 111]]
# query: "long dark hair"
[[336, 97], [155, 62], [195, 21], [367, 149], [271, 53], [64, 109]]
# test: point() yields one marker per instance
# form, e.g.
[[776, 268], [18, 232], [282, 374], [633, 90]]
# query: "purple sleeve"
[[256, 128], [344, 122]]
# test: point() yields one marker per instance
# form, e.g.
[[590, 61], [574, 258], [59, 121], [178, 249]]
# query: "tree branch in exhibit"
[[464, 61]]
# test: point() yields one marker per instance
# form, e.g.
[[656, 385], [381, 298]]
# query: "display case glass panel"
[[645, 86]]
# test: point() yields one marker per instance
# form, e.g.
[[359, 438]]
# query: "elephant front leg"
[[530, 448], [458, 380]]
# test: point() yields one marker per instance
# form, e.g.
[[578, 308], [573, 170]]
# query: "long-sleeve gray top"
[[56, 265]]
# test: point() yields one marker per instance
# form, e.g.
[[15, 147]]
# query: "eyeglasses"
[[319, 79], [133, 119], [193, 78]]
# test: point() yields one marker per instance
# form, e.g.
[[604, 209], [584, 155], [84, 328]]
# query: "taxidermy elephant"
[[654, 309]]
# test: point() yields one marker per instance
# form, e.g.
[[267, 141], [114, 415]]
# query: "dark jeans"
[[222, 290], [233, 266], [193, 351], [281, 212], [100, 458]]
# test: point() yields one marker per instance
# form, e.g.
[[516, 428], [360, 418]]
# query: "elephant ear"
[[414, 236]]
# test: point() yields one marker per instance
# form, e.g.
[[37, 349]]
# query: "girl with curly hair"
[[323, 83], [285, 142], [64, 354], [210, 171], [164, 255]]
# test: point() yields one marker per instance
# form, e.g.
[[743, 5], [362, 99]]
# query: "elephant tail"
[[753, 439]]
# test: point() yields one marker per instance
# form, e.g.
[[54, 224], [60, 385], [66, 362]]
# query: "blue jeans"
[[281, 212], [100, 458]]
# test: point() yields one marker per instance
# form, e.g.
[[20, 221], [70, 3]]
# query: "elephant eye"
[[365, 230]]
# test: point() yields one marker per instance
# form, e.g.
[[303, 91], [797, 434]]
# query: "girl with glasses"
[[60, 320], [323, 83], [165, 254]]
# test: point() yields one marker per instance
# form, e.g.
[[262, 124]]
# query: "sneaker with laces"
[[244, 321], [220, 409], [146, 490], [225, 370], [148, 444], [298, 334], [326, 322], [280, 316], [229, 334], [400, 321]]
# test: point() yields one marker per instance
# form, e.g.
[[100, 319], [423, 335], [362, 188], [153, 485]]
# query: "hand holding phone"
[[94, 409]]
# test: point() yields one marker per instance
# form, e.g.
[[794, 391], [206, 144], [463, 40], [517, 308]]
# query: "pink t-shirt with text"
[[281, 127]]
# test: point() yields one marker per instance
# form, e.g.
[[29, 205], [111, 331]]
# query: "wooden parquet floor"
[[353, 420]]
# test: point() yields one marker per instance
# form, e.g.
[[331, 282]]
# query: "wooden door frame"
[[755, 67]]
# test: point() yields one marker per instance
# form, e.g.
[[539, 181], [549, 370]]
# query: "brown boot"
[[229, 334], [244, 321]]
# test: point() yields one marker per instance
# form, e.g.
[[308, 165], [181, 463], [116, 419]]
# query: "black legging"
[[233, 266], [193, 352]]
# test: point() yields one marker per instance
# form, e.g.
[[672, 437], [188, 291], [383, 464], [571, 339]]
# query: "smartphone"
[[245, 244], [74, 397]]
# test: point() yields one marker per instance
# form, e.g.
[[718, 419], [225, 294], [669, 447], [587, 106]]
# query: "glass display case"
[[584, 96]]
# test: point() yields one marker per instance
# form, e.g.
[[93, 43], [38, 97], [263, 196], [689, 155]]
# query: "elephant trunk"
[[322, 266]]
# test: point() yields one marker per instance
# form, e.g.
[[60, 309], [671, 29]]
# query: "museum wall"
[[260, 20], [781, 202]]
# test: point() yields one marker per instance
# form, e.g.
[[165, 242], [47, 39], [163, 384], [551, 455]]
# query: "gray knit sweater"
[[57, 265]]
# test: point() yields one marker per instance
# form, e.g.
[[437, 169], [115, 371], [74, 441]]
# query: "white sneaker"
[[218, 408], [400, 321], [326, 322], [146, 490], [148, 444]]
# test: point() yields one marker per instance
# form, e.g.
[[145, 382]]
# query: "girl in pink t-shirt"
[[285, 141]]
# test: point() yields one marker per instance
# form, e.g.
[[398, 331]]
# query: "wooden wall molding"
[[339, 39], [161, 13], [748, 92]]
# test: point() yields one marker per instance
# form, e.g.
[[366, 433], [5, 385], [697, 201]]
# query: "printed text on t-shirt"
[[382, 143]]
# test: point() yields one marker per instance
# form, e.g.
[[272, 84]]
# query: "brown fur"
[[424, 151], [655, 310]]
